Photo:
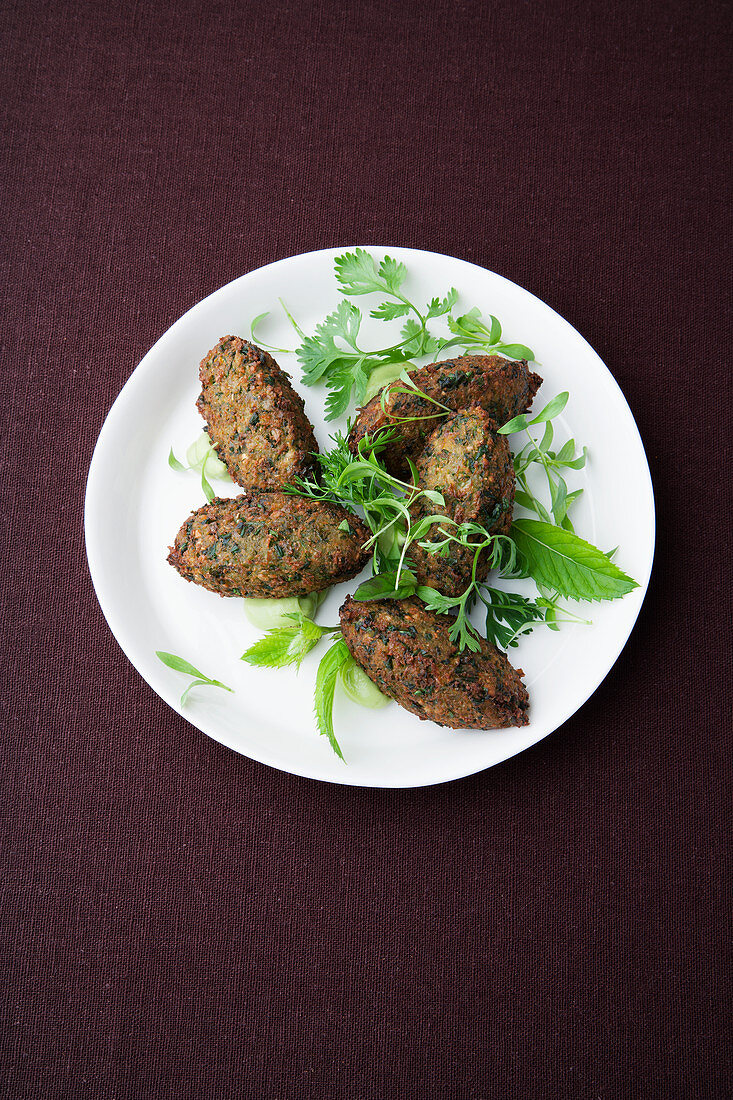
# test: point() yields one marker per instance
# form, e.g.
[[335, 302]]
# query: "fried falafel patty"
[[405, 650], [269, 545], [466, 461], [502, 387], [255, 419]]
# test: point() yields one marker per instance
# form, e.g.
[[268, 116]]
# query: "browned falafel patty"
[[255, 419], [405, 650], [269, 545], [503, 387], [466, 461]]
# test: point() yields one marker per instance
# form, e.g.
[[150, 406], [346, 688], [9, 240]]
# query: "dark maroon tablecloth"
[[182, 922]]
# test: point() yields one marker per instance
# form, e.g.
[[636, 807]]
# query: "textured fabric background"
[[181, 922]]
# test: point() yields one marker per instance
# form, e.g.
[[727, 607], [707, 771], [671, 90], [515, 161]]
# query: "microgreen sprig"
[[537, 451], [179, 664]]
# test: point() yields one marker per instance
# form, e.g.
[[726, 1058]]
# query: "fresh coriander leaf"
[[326, 677], [438, 307], [388, 311], [340, 383], [344, 321], [393, 272], [174, 463], [356, 273], [568, 564], [412, 333]]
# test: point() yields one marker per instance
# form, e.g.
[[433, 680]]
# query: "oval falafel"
[[269, 545], [255, 419], [405, 650], [466, 461], [502, 387]]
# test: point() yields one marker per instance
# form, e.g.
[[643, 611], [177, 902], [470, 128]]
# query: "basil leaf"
[[571, 566], [174, 463]]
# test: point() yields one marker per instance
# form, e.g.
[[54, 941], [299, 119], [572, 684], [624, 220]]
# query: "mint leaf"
[[326, 677], [284, 645], [568, 564]]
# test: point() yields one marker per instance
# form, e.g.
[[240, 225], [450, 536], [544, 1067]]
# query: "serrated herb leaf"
[[326, 678], [568, 564], [388, 311], [393, 273], [285, 645], [438, 307]]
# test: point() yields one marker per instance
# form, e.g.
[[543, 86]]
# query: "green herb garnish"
[[334, 355], [202, 457], [286, 645], [179, 664], [326, 677]]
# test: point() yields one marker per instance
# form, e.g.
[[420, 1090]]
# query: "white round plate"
[[135, 504]]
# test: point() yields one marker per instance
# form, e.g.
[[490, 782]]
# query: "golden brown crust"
[[406, 652], [472, 467], [255, 419], [502, 387], [269, 545]]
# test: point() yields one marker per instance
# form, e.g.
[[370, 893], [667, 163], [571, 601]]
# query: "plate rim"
[[93, 549]]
